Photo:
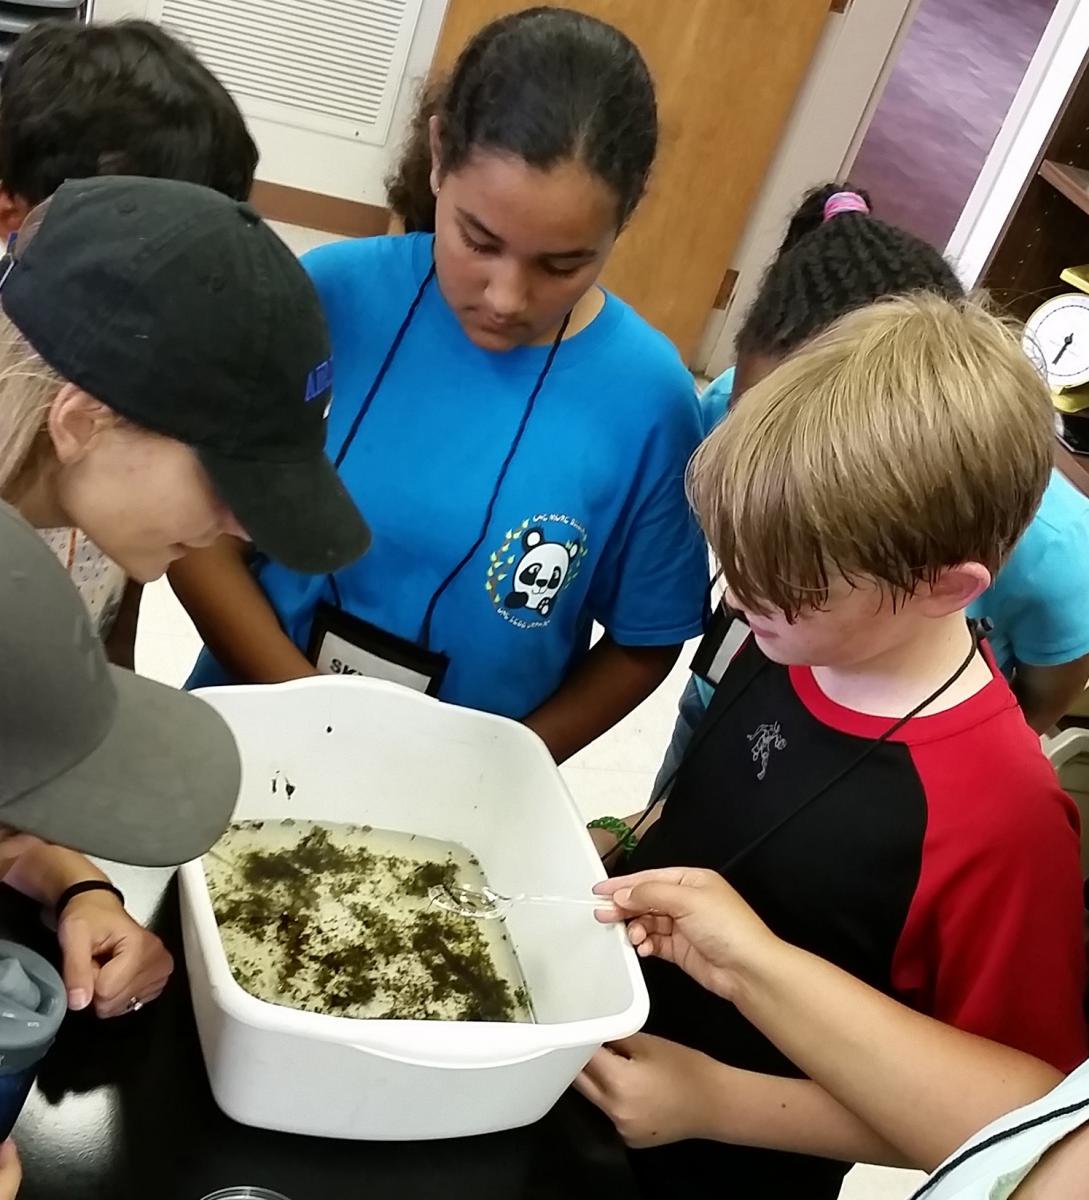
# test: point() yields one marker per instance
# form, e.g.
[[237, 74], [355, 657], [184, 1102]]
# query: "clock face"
[[1057, 340]]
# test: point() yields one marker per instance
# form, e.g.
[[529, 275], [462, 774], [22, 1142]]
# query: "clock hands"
[[1063, 349]]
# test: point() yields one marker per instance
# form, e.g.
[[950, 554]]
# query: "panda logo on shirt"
[[539, 574]]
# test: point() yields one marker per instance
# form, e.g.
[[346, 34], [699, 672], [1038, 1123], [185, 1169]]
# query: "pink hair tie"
[[844, 202]]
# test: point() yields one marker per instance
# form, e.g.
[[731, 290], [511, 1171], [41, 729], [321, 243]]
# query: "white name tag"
[[724, 637], [731, 644], [337, 656], [342, 644]]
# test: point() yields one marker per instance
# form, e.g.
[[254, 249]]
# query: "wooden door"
[[727, 73]]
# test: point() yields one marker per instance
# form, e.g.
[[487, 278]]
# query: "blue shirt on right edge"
[[1039, 600]]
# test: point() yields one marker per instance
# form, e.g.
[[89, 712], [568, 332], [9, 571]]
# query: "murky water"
[[335, 919]]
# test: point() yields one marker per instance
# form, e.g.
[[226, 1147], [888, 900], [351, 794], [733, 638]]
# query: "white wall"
[[114, 10], [318, 162], [353, 170]]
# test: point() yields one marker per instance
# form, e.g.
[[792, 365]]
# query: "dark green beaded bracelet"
[[625, 835]]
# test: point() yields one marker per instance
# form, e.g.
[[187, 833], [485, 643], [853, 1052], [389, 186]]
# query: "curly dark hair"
[[118, 99]]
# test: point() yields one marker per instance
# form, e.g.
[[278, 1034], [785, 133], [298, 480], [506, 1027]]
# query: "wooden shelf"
[[1048, 228], [1074, 466], [1072, 182]]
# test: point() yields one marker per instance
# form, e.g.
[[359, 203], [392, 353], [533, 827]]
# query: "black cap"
[[184, 312]]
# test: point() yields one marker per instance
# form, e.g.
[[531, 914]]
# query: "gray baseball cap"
[[92, 756]]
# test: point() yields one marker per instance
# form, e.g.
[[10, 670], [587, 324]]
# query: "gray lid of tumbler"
[[33, 1003]]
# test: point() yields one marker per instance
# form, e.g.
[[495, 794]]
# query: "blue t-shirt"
[[715, 399], [1039, 600], [591, 524]]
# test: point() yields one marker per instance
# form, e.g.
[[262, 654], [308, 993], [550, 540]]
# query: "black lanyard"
[[424, 638], [726, 703], [387, 362]]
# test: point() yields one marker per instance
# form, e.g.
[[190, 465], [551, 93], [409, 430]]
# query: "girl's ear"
[[436, 153], [75, 420]]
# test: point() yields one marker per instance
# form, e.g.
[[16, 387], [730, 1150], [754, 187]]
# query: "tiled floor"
[[612, 776], [945, 102], [301, 239]]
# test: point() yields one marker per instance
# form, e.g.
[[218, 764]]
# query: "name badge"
[[725, 635], [342, 644]]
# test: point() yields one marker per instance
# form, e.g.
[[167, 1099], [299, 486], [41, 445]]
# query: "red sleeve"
[[994, 940]]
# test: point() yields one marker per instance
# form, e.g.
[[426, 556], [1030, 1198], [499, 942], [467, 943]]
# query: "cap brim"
[[157, 791], [299, 513]]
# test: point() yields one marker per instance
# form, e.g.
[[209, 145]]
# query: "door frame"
[[1009, 166], [830, 117]]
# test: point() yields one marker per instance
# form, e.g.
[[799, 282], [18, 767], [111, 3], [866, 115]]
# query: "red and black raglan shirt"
[[943, 869]]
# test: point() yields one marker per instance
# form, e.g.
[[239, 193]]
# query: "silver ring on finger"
[[134, 1005]]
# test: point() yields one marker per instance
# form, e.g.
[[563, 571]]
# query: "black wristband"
[[77, 889]]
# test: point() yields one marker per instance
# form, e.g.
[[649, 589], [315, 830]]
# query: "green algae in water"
[[335, 919]]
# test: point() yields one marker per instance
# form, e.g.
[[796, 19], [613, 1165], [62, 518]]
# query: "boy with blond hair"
[[863, 777]]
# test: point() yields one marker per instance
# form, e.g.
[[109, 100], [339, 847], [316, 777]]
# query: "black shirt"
[[890, 872]]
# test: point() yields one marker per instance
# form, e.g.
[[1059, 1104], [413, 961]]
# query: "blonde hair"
[[27, 390], [911, 436]]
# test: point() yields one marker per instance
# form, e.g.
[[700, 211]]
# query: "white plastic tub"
[[357, 750]]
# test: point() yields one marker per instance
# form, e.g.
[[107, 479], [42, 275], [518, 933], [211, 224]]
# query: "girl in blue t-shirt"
[[516, 436]]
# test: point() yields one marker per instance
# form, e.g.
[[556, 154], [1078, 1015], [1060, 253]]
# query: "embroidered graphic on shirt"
[[765, 738], [530, 570]]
